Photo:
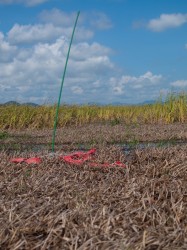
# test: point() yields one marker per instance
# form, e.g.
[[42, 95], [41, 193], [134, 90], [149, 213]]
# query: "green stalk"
[[62, 83]]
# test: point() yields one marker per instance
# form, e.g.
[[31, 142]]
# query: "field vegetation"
[[57, 205], [173, 109]]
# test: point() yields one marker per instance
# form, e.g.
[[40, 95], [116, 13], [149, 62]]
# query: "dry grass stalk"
[[57, 206]]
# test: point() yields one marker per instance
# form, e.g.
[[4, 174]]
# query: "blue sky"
[[124, 51]]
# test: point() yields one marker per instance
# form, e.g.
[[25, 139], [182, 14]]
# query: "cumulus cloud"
[[29, 34], [26, 2], [95, 55], [179, 83], [166, 21], [134, 82], [33, 33], [133, 89], [33, 58], [6, 50], [95, 19], [81, 50], [59, 17], [34, 73]]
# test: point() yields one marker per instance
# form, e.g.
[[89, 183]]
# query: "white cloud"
[[166, 21], [179, 83], [33, 33], [98, 20], [6, 50], [33, 58], [148, 77], [26, 2], [120, 85], [81, 50], [32, 62], [59, 17], [34, 73], [43, 33]]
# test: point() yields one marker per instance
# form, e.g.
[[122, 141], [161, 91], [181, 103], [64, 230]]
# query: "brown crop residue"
[[54, 205], [93, 135]]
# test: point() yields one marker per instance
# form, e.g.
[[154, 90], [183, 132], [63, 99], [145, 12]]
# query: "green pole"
[[62, 83]]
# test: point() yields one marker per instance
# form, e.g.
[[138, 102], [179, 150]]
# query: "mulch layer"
[[55, 205]]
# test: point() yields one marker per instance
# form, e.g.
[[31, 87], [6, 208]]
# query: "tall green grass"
[[174, 109]]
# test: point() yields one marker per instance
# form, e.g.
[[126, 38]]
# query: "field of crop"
[[57, 205], [174, 109]]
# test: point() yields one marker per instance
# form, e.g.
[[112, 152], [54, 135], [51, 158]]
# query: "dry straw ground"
[[94, 135], [59, 206]]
